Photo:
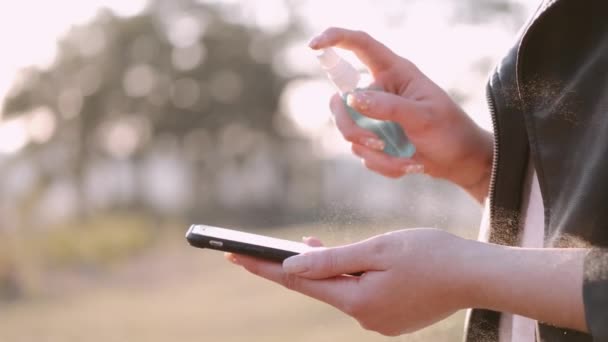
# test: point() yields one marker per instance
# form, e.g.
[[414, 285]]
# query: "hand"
[[412, 278], [448, 143]]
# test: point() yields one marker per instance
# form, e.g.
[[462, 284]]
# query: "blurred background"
[[122, 122]]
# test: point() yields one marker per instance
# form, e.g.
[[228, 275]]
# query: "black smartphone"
[[238, 242]]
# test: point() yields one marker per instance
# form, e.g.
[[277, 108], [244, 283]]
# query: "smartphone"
[[259, 246]]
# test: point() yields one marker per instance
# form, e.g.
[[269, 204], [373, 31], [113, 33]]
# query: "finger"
[[312, 241], [386, 165], [371, 52], [334, 262], [410, 169], [231, 257], [335, 291], [349, 129], [389, 107]]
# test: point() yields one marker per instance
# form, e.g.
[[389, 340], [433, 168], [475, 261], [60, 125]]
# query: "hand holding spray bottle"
[[346, 79]]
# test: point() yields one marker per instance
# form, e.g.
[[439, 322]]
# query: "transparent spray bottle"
[[346, 79]]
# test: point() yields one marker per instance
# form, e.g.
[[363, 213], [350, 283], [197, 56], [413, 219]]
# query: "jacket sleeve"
[[595, 293]]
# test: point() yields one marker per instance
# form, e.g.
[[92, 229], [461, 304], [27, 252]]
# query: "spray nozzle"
[[328, 58], [342, 74]]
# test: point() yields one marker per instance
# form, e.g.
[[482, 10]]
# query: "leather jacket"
[[549, 102]]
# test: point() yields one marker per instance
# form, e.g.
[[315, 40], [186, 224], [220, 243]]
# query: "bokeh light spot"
[[139, 80]]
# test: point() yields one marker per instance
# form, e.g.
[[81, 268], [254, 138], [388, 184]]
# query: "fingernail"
[[373, 143], [415, 168], [295, 264], [359, 100], [315, 41], [233, 259]]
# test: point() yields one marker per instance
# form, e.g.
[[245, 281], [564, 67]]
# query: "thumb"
[[332, 262], [389, 107]]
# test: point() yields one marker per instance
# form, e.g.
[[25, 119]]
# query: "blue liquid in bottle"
[[396, 142], [346, 78]]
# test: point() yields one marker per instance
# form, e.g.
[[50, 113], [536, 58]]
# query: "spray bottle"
[[346, 79]]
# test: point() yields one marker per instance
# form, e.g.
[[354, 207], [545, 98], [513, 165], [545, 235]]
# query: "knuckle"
[[328, 261], [332, 30], [348, 134], [382, 245], [335, 34], [406, 64], [290, 281], [393, 111], [425, 121], [363, 36]]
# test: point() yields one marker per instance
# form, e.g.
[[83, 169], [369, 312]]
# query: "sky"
[[422, 32]]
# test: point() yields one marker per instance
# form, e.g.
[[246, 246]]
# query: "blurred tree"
[[122, 88]]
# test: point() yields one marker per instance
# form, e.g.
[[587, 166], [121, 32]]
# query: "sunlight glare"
[[13, 135], [41, 125], [306, 103]]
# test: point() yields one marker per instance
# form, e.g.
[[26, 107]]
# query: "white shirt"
[[515, 328]]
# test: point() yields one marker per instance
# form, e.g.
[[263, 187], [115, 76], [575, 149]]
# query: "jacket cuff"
[[595, 293]]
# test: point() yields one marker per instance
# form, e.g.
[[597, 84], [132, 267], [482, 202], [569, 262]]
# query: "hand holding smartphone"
[[257, 246]]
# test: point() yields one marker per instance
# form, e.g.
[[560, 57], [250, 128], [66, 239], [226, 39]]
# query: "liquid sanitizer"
[[346, 78]]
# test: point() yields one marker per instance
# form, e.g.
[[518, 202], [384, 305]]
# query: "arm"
[[416, 277]]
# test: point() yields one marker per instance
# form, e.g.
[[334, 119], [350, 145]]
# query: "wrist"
[[475, 175], [477, 263]]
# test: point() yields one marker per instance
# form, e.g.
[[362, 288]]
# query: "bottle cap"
[[328, 58], [342, 74]]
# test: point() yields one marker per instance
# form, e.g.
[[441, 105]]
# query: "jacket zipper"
[[495, 153]]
